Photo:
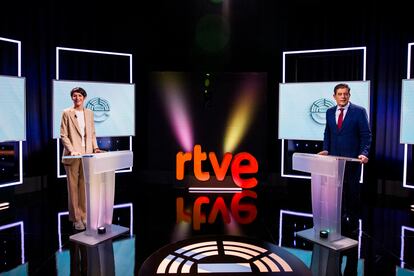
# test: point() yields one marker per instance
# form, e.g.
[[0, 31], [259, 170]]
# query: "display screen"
[[302, 107], [113, 105], [13, 108], [407, 112]]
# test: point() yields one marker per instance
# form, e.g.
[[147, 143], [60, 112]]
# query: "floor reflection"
[[34, 231]]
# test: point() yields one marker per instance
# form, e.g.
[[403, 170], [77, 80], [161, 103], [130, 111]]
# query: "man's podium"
[[99, 172], [327, 173]]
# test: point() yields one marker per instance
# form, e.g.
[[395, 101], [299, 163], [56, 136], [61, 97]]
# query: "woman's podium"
[[327, 173], [99, 172]]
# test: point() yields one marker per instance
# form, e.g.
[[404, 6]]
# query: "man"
[[347, 133], [353, 137]]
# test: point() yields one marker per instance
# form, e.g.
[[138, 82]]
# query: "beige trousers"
[[76, 191]]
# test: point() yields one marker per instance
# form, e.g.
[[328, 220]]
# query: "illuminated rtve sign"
[[241, 163], [205, 209]]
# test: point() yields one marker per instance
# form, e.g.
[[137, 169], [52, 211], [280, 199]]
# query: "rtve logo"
[[242, 163]]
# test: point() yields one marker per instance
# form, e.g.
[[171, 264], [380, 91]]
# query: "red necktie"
[[340, 118]]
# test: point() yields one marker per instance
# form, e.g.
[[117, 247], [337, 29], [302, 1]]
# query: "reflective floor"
[[35, 231]]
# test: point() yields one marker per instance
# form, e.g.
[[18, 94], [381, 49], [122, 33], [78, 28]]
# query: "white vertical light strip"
[[405, 185], [131, 215], [60, 214], [364, 67], [130, 69], [361, 177], [364, 72], [284, 67], [19, 74], [57, 78], [405, 168], [20, 162], [130, 81], [403, 228], [293, 213], [22, 240], [57, 63], [58, 160], [130, 148], [359, 238], [409, 60], [21, 224]]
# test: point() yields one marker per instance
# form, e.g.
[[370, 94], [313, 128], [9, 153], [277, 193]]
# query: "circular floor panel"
[[223, 255]]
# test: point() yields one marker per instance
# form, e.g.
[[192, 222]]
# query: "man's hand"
[[363, 158], [74, 153], [97, 150], [324, 152]]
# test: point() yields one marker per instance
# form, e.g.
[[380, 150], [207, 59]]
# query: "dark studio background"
[[190, 36], [201, 36]]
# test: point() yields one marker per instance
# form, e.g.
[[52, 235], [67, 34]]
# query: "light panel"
[[19, 74], [58, 50], [285, 53]]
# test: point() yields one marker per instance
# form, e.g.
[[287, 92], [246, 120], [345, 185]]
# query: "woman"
[[77, 131]]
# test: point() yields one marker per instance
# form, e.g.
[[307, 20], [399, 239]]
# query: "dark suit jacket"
[[353, 139]]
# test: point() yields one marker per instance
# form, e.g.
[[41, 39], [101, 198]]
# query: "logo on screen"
[[318, 110], [100, 108]]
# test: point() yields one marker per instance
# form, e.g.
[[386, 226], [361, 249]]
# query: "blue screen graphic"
[[13, 108], [407, 112], [113, 105]]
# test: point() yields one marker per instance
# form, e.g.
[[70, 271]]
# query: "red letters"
[[243, 163]]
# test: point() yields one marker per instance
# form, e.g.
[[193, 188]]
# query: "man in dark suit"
[[347, 133]]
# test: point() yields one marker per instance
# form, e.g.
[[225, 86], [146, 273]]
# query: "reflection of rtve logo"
[[242, 163], [242, 209]]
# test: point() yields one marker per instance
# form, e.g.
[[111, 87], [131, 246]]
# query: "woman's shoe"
[[78, 225]]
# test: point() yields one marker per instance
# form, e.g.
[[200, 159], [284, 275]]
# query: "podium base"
[[112, 231], [340, 244], [326, 254]]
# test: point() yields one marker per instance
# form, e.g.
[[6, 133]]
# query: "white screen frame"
[[58, 50], [19, 224], [403, 229], [405, 185], [285, 53], [19, 74]]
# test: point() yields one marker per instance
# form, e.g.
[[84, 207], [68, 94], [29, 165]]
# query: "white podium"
[[99, 172], [327, 173]]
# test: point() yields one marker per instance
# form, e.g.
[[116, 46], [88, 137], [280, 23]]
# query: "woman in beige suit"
[[77, 131]]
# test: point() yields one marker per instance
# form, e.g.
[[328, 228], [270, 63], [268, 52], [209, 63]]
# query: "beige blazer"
[[71, 135]]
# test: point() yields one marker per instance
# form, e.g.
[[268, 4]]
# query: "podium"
[[99, 172], [327, 173]]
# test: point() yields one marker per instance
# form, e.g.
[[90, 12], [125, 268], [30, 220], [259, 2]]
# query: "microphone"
[[76, 116]]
